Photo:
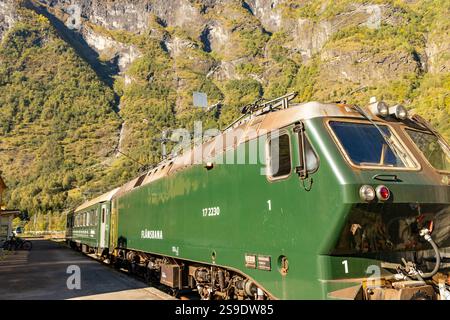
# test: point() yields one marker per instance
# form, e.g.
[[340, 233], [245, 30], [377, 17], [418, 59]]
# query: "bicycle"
[[17, 244]]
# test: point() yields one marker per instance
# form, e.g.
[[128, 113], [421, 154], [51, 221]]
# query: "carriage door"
[[103, 219]]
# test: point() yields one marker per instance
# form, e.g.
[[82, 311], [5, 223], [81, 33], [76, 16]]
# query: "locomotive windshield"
[[365, 146], [432, 148]]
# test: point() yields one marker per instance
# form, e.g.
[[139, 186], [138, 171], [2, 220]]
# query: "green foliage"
[[275, 47], [282, 79], [56, 118], [237, 94], [247, 37], [305, 81], [432, 101], [247, 69]]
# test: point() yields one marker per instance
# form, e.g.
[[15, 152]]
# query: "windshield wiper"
[[398, 153], [422, 122]]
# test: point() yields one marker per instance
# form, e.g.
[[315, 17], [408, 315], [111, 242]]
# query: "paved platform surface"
[[41, 274]]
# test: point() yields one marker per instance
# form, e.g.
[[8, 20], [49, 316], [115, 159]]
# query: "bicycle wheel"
[[26, 245], [6, 245]]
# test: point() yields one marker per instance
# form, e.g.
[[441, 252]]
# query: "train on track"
[[291, 201]]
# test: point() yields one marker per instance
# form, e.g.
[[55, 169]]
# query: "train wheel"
[[116, 264], [147, 276], [174, 292]]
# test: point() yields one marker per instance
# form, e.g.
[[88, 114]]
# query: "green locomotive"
[[308, 201]]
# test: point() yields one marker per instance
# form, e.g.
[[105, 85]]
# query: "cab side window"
[[279, 159], [312, 161]]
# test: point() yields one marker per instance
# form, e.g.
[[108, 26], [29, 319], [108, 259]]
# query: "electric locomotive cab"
[[401, 169]]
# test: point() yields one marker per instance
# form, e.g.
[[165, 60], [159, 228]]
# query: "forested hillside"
[[80, 78]]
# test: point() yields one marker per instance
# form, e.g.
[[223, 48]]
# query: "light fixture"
[[367, 193], [379, 108], [383, 193], [209, 165], [382, 108], [399, 111]]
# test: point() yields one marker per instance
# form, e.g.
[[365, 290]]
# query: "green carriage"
[[88, 226]]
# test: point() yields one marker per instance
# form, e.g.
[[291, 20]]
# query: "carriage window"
[[279, 150], [432, 148], [365, 146], [139, 181]]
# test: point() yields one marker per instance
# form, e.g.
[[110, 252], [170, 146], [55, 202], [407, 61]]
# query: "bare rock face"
[[209, 22], [133, 15], [268, 12], [80, 16], [8, 16], [126, 15], [309, 37], [217, 25], [364, 68], [438, 53], [226, 70], [180, 13], [177, 46], [123, 55], [219, 37]]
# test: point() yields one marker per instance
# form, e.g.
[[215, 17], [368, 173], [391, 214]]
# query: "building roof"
[[104, 197], [9, 212]]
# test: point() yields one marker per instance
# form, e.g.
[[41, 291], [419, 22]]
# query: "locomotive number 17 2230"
[[211, 212]]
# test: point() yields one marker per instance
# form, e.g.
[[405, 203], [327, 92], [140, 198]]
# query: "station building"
[[6, 216]]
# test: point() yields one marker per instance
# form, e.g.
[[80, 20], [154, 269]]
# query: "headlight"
[[383, 109], [400, 112], [367, 193], [378, 108]]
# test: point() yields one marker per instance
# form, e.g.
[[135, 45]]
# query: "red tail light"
[[383, 193]]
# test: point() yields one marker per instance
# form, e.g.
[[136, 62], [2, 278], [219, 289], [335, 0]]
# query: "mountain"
[[81, 78]]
